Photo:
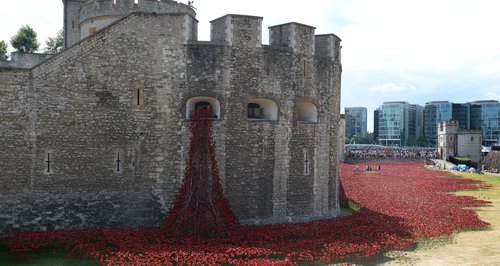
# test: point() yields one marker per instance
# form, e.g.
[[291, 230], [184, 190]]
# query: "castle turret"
[[84, 17], [71, 21]]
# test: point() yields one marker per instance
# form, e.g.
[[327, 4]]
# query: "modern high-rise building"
[[355, 121], [419, 109], [375, 124], [485, 115], [397, 123], [461, 113], [433, 113], [437, 111]]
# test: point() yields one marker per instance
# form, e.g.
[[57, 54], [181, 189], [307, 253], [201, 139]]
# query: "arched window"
[[202, 105], [201, 102], [254, 111], [307, 112], [262, 109]]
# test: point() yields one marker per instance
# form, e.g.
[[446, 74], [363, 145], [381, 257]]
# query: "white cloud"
[[491, 95], [392, 87]]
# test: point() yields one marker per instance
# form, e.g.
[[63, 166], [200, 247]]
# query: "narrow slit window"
[[139, 97], [118, 162], [305, 68], [48, 165], [307, 163]]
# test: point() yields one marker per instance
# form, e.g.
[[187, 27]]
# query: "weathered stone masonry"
[[108, 117]]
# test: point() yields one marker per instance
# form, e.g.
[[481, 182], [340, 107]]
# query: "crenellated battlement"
[[244, 30], [88, 16], [237, 30], [105, 8], [294, 35], [328, 45]]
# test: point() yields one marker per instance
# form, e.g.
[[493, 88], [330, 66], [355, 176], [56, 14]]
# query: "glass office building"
[[485, 115], [355, 121], [397, 123], [444, 111], [461, 113]]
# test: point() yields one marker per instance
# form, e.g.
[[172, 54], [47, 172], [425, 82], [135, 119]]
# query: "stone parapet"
[[237, 30], [23, 60], [109, 8]]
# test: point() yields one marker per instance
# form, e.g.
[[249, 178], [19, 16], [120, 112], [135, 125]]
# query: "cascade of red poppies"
[[200, 208]]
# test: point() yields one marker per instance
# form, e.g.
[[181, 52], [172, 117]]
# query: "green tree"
[[55, 44], [359, 139], [25, 40], [3, 47], [416, 142]]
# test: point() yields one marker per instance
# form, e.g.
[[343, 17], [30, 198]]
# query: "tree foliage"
[[25, 40], [54, 44], [358, 139], [417, 141], [3, 47]]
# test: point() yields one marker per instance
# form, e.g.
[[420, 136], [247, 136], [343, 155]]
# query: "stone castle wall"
[[109, 116]]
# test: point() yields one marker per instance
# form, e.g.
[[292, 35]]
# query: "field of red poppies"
[[401, 203]]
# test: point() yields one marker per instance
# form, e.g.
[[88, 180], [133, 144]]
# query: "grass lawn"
[[43, 258], [466, 247]]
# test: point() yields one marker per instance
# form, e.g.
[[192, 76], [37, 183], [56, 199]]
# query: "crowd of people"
[[377, 151]]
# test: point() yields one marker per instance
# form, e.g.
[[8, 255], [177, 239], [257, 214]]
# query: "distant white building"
[[455, 141]]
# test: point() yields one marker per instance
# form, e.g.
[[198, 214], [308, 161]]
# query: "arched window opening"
[[254, 111], [202, 105], [262, 109], [307, 112], [201, 102]]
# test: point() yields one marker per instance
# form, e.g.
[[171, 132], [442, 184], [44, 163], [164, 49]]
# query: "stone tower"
[[98, 135], [84, 17], [455, 141], [71, 21]]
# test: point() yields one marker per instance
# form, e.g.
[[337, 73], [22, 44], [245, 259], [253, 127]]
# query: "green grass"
[[43, 258], [484, 194], [348, 208], [488, 178]]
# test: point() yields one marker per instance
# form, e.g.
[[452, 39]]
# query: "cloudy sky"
[[393, 50]]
